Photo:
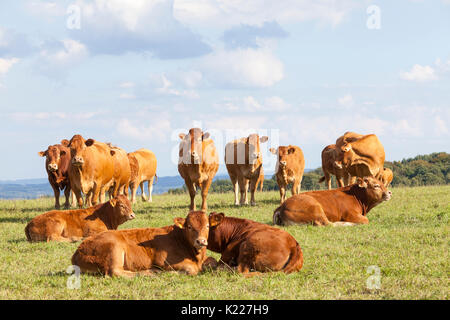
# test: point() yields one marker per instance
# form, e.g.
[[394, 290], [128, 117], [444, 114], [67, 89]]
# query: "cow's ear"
[[89, 142], [113, 202], [273, 150], [263, 139], [182, 135], [42, 153], [112, 152], [362, 183], [216, 218], [206, 135], [179, 222], [291, 150], [65, 142]]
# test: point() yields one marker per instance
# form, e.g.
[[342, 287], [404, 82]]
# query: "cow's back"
[[146, 162]]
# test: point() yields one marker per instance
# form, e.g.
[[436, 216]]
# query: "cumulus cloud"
[[6, 64], [14, 44], [158, 130], [419, 73], [146, 26], [250, 104], [346, 101], [244, 35]]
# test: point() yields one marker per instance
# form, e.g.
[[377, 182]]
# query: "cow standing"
[[198, 163], [289, 169], [243, 160], [122, 171], [91, 169], [143, 168], [57, 167], [329, 157]]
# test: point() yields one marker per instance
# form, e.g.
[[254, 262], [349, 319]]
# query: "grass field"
[[407, 239]]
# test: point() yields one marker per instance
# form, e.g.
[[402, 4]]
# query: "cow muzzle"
[[387, 196], [282, 164], [200, 243], [132, 216], [52, 167], [77, 161]]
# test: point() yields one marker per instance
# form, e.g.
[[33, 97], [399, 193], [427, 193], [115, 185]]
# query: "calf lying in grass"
[[74, 225], [251, 245], [344, 206], [180, 247]]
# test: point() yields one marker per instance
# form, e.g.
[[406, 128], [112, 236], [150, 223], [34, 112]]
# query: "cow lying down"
[[74, 225], [252, 246], [343, 206], [179, 247]]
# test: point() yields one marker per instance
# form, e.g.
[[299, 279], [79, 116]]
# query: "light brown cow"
[[143, 169], [74, 225], [387, 176], [91, 169], [289, 169], [122, 171], [361, 157], [260, 181], [57, 167], [243, 159], [330, 155], [343, 206], [180, 247], [251, 245], [198, 163]]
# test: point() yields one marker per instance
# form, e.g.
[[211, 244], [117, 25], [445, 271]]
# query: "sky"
[[137, 73]]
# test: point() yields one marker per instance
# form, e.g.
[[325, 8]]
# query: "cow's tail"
[[277, 216], [295, 261], [156, 179], [27, 232], [322, 179]]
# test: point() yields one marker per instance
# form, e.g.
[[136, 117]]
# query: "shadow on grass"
[[15, 219], [17, 241]]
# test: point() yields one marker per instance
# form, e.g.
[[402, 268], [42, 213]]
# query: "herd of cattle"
[[93, 168]]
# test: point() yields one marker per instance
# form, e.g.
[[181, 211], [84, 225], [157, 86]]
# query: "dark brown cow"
[[91, 169], [289, 169], [57, 167], [143, 168], [253, 246], [243, 160], [180, 247], [122, 171], [344, 206], [387, 177], [73, 225], [198, 163], [330, 155]]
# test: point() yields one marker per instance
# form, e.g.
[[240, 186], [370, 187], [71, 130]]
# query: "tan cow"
[[198, 163], [387, 177], [122, 171], [143, 169], [260, 181], [74, 225], [243, 160], [91, 169], [330, 155], [289, 169], [343, 206], [180, 247]]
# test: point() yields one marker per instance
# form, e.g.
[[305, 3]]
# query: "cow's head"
[[195, 227], [53, 157], [191, 146], [284, 153], [122, 209], [253, 155], [374, 189], [77, 147]]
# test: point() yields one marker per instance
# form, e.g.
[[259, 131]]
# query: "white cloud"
[[158, 130], [419, 73], [242, 68], [46, 8], [346, 101], [250, 104], [127, 96], [6, 64], [126, 85]]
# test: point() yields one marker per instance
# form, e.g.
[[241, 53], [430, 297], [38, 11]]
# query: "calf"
[[251, 245], [180, 247], [289, 169], [73, 225], [329, 167], [344, 206]]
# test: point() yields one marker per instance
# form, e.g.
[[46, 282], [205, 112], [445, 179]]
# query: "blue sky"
[[136, 73]]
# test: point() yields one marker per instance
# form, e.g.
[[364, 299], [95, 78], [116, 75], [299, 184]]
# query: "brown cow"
[[91, 169], [330, 155], [122, 171], [143, 168], [260, 181], [73, 225], [289, 169], [180, 247], [243, 160], [57, 167], [251, 245], [198, 163], [387, 177], [344, 206]]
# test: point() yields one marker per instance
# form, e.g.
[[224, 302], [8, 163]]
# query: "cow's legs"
[[143, 196], [296, 187], [74, 198], [327, 180], [133, 186], [234, 182], [96, 194], [340, 181], [56, 192], [205, 188], [252, 191], [192, 189], [77, 193], [67, 196], [150, 189], [282, 187], [243, 190]]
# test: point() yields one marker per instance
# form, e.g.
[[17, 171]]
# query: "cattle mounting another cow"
[[73, 225], [344, 206], [330, 155]]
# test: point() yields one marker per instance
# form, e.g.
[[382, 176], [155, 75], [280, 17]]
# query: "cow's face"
[[191, 146], [122, 208], [77, 147], [53, 157], [253, 150], [284, 153], [195, 227], [375, 189]]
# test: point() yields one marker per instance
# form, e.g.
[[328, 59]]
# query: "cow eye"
[[189, 227], [376, 186]]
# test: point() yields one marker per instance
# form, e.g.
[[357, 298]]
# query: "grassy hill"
[[407, 239]]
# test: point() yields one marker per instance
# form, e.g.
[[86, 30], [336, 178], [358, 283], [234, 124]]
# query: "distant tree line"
[[423, 170]]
